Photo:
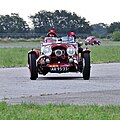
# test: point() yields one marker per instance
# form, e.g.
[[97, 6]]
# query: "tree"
[[13, 24], [100, 29], [116, 35], [115, 26], [61, 20]]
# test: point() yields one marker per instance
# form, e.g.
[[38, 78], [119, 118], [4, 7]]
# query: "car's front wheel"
[[98, 42], [86, 66], [32, 66]]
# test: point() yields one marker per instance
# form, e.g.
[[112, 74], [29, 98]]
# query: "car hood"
[[62, 45]]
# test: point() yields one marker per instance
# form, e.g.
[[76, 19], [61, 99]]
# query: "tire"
[[98, 43], [86, 66], [32, 66]]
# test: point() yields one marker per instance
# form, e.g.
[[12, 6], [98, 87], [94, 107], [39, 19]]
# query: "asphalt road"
[[21, 45], [103, 88]]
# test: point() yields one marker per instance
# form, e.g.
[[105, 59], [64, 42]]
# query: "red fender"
[[34, 51]]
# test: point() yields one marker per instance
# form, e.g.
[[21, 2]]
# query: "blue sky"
[[95, 11]]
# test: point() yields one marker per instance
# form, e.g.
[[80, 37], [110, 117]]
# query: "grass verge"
[[17, 57], [105, 54], [58, 112], [13, 57]]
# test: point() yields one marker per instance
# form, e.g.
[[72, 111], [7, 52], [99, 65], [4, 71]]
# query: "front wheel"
[[98, 43], [86, 66], [32, 66]]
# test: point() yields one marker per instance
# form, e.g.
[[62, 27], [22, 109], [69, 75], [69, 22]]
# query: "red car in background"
[[59, 55], [92, 40]]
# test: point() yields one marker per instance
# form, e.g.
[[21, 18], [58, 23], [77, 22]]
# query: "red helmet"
[[72, 34], [53, 32]]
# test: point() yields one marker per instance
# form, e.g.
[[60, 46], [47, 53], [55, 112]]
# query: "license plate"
[[59, 69]]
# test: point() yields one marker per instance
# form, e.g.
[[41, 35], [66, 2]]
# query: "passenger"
[[79, 46], [80, 51], [72, 34]]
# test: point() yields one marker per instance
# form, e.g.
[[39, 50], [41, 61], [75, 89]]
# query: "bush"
[[116, 36]]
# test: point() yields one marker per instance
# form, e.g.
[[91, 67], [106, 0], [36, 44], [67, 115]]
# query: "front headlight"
[[46, 50], [70, 51]]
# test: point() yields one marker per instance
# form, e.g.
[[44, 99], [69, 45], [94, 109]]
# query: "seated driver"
[[52, 33]]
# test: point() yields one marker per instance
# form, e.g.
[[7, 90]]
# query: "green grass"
[[58, 112], [13, 57], [105, 54], [17, 57], [12, 43]]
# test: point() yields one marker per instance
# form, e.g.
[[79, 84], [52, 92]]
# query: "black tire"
[[98, 43], [32, 66], [86, 67]]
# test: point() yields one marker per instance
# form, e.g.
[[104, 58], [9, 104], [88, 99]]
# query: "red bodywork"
[[57, 55], [91, 40], [58, 61]]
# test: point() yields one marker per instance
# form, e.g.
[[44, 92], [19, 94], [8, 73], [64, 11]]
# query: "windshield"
[[50, 39], [68, 39]]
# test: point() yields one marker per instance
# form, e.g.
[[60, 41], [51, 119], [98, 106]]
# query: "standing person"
[[52, 33]]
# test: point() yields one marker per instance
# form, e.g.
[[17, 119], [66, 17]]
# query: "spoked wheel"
[[32, 66], [86, 66]]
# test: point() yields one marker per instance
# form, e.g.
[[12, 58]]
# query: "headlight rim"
[[48, 49], [73, 50]]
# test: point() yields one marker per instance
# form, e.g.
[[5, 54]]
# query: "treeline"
[[60, 20]]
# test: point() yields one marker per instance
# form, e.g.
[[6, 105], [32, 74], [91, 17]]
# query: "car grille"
[[59, 54]]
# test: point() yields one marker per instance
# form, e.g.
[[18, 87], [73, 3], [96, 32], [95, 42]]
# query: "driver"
[[52, 33]]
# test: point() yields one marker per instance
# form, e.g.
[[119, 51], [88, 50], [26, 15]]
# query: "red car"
[[92, 40], [59, 55]]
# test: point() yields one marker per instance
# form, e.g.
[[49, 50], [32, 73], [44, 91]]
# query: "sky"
[[94, 11]]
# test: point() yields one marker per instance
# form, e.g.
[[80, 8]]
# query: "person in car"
[[52, 33], [72, 34]]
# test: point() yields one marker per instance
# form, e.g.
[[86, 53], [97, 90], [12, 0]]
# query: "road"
[[29, 45], [103, 88]]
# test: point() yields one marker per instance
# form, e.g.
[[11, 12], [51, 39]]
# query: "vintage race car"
[[92, 40], [59, 55]]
